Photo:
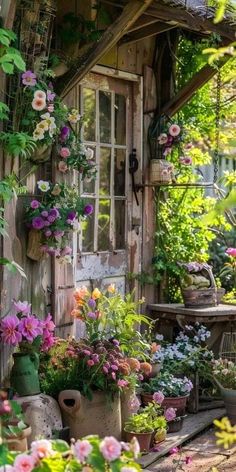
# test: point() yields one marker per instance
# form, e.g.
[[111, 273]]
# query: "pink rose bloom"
[[9, 328], [40, 94], [174, 130], [30, 327], [64, 152], [122, 383], [22, 307], [170, 414], [105, 369], [110, 448], [187, 161], [188, 146], [62, 166], [90, 363], [38, 104], [158, 397], [24, 463], [41, 448], [82, 449], [231, 251]]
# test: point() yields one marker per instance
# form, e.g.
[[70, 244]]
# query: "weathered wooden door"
[[105, 240]]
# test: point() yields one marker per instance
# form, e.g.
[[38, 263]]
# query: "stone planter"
[[83, 417], [229, 398], [19, 442], [24, 374], [144, 439]]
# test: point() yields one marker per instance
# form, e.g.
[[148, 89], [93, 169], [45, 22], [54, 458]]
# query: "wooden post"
[[110, 37]]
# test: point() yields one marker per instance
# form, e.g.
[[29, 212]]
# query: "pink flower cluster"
[[24, 327], [231, 251], [171, 138]]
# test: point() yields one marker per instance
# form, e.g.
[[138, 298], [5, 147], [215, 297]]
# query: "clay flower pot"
[[169, 402], [19, 442], [175, 425], [144, 439]]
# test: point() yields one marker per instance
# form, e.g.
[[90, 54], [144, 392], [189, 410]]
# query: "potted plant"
[[87, 454], [13, 431], [139, 426], [29, 334], [53, 218], [198, 285], [175, 390], [158, 418], [224, 374]]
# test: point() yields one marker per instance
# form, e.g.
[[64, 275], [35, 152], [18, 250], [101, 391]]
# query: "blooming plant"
[[85, 455], [55, 216], [87, 367], [11, 417], [171, 138], [168, 385], [25, 330], [188, 353], [225, 372], [110, 315]]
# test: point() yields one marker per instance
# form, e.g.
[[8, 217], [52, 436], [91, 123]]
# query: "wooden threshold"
[[193, 425]]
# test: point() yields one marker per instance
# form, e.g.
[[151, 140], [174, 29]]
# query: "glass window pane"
[[119, 172], [120, 119], [105, 116], [87, 227], [104, 225], [89, 116], [88, 185], [120, 224], [105, 171]]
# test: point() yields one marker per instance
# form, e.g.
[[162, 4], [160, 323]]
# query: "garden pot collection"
[[98, 416], [19, 442], [24, 374], [144, 439]]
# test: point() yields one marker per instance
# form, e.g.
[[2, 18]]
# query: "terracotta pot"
[[169, 402], [144, 439], [83, 417], [175, 425], [19, 442]]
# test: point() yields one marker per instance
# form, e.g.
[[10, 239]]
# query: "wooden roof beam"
[[144, 20], [186, 93], [131, 12], [189, 20], [146, 32]]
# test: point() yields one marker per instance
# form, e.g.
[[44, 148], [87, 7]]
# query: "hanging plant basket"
[[34, 250], [161, 171]]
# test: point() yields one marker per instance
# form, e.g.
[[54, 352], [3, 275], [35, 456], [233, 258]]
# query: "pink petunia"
[[24, 463], [28, 78], [110, 448], [90, 363], [22, 307], [30, 327], [82, 449], [9, 328]]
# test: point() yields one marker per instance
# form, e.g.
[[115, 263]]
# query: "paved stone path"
[[202, 454]]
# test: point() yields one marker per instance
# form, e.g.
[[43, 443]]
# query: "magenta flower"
[[35, 204], [170, 414], [37, 222], [44, 213], [28, 78], [188, 460], [65, 132], [81, 449], [54, 212], [9, 328], [30, 327], [95, 358], [58, 233], [51, 219], [48, 340], [50, 96], [22, 307], [71, 215], [231, 251], [122, 383], [48, 323], [110, 448], [158, 397], [174, 450], [88, 209]]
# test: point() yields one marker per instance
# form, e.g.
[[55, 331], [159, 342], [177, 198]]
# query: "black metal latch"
[[133, 167]]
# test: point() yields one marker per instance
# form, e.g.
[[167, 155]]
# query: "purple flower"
[[30, 327], [54, 212], [22, 307], [170, 414], [48, 233], [37, 222], [44, 213], [95, 358], [65, 132], [158, 397], [28, 78], [48, 340], [71, 215], [46, 223], [91, 303], [51, 219], [91, 315], [35, 204], [115, 342], [66, 251], [9, 330], [88, 209], [50, 95]]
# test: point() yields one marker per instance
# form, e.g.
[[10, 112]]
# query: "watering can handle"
[[34, 357], [74, 396]]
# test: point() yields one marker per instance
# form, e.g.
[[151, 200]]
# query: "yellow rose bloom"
[[96, 294]]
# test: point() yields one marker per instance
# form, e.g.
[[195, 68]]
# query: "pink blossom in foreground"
[[64, 152], [82, 448], [9, 330], [30, 327], [158, 397], [110, 448], [231, 251], [24, 463], [41, 448]]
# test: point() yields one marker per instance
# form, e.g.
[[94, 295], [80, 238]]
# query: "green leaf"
[[19, 63], [7, 68], [60, 446]]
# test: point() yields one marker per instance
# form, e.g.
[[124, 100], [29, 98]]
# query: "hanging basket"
[[34, 251], [201, 297], [161, 171]]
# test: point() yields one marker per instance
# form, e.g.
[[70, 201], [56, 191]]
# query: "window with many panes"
[[104, 130]]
